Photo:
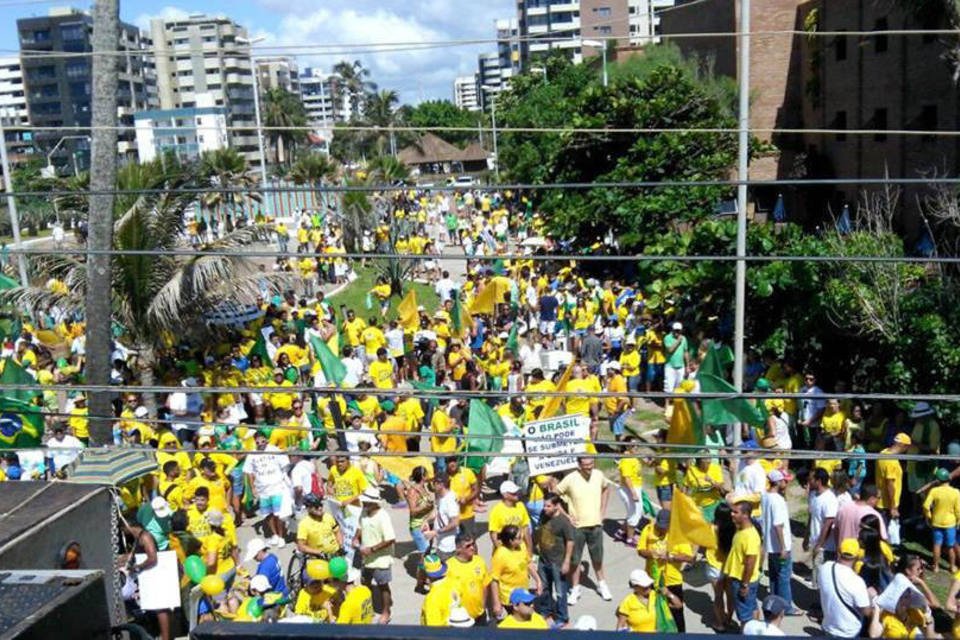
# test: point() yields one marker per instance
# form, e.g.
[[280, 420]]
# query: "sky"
[[416, 75]]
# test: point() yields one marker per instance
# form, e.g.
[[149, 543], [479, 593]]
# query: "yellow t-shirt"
[[533, 399], [369, 407], [536, 621], [746, 542], [578, 403], [216, 543], [510, 568], [435, 611], [893, 627], [472, 579], [942, 506], [650, 541], [630, 363], [501, 515], [382, 374], [319, 534], [353, 329], [630, 469], [832, 424], [641, 615], [441, 423], [460, 484], [311, 604], [700, 485], [617, 384], [349, 485], [357, 607], [889, 469], [78, 422], [373, 339]]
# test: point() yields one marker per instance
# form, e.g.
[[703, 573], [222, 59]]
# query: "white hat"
[[632, 340], [189, 382], [459, 618], [676, 326], [370, 494], [260, 583], [503, 335], [353, 575], [508, 486], [254, 547], [613, 364], [585, 623], [161, 508], [640, 578], [141, 412]]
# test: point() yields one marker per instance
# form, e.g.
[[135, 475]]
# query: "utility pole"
[[103, 180]]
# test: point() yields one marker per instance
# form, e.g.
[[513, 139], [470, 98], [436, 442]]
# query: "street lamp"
[[603, 50], [256, 112], [50, 171], [493, 118], [542, 70], [12, 206]]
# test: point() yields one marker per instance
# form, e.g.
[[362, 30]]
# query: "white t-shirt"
[[838, 620], [374, 529], [72, 448], [269, 478], [445, 289], [761, 628], [394, 342], [354, 371], [302, 475], [773, 509], [752, 478], [823, 506], [447, 509]]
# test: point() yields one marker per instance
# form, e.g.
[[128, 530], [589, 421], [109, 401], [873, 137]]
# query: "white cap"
[[141, 412], [508, 486], [676, 326], [370, 494], [585, 623], [631, 340], [613, 364], [160, 507], [640, 578], [260, 583], [503, 335], [254, 547]]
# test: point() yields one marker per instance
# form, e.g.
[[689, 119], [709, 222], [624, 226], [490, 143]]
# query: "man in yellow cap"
[[843, 594], [890, 476]]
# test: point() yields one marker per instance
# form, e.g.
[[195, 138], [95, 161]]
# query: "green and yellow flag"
[[21, 424], [13, 373], [333, 368]]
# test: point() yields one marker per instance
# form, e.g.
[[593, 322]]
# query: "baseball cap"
[[260, 583], [614, 365], [160, 507], [776, 475], [598, 330], [459, 618], [850, 547], [632, 340], [312, 500], [521, 596], [141, 412], [585, 623], [942, 475], [663, 519], [676, 326], [215, 517], [774, 605], [902, 438], [509, 486], [640, 578], [254, 547], [434, 567], [762, 384]]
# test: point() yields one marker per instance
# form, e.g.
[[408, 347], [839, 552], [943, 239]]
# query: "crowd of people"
[[316, 454]]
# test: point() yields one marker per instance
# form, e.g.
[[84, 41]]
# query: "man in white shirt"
[[777, 539], [375, 540], [843, 594], [823, 514], [354, 367], [270, 485], [66, 448], [811, 409], [301, 476], [446, 521], [751, 479], [774, 608], [445, 287]]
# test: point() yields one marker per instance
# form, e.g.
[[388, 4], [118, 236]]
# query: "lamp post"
[[12, 207], [493, 120], [256, 115], [542, 70], [603, 50], [51, 171]]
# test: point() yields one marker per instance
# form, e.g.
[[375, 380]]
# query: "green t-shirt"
[[675, 360]]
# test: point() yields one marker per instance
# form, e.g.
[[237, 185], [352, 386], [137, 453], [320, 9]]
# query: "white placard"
[[562, 439], [160, 584]]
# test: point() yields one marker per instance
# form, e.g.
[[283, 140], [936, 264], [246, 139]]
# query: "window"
[[606, 30], [929, 121], [604, 12], [840, 123], [840, 48], [74, 32], [41, 35], [880, 43], [879, 121], [76, 69]]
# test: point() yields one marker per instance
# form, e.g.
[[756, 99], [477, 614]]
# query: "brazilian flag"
[[21, 424]]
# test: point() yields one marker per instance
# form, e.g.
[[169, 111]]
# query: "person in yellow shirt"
[[198, 517], [537, 385], [665, 561], [217, 550], [511, 568], [637, 612], [373, 338], [443, 594], [77, 421], [381, 371], [381, 291], [464, 484], [890, 475], [280, 400], [318, 534], [629, 362], [444, 430], [357, 605], [942, 510], [470, 573], [171, 485], [315, 600], [742, 565], [353, 327], [704, 482], [653, 341], [631, 488], [522, 615], [616, 407], [411, 411], [832, 425], [510, 511]]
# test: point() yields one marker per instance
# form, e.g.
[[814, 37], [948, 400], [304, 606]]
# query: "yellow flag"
[[407, 311], [687, 524], [682, 428], [486, 300], [552, 406]]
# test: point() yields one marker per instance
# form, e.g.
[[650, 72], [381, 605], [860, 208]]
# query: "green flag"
[[333, 368], [21, 424], [259, 348], [712, 379], [13, 373], [513, 342], [483, 421], [425, 386]]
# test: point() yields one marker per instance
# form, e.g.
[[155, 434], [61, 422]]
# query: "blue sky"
[[421, 74]]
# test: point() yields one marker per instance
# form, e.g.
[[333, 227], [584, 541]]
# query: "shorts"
[[745, 607], [592, 538], [654, 372], [946, 536], [618, 423], [548, 327], [665, 493], [381, 577], [419, 540], [270, 505]]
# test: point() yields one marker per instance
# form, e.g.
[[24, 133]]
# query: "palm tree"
[[314, 169], [387, 170], [356, 84], [283, 110], [227, 169], [158, 296], [381, 111]]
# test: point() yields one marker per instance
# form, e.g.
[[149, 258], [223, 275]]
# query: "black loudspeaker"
[[53, 604]]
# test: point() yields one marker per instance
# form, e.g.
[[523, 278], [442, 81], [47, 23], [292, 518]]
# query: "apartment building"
[[278, 72], [208, 55], [13, 110], [187, 133], [465, 93], [58, 87]]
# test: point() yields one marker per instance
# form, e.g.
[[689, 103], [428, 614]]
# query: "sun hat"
[[254, 547], [371, 495], [459, 618], [921, 409], [434, 567], [640, 578]]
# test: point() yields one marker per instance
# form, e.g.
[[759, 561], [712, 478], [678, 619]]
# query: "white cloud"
[[167, 13]]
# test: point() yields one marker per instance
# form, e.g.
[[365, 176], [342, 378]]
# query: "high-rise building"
[[465, 93], [208, 55], [186, 133], [490, 78], [58, 87], [13, 110], [320, 94], [278, 73]]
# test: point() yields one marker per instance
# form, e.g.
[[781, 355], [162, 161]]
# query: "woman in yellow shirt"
[[832, 425], [631, 486], [704, 482], [637, 612], [511, 568]]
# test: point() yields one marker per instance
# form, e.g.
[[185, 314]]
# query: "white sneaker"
[[574, 596], [604, 590]]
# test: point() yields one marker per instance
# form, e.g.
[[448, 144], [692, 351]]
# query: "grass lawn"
[[354, 296], [43, 233]]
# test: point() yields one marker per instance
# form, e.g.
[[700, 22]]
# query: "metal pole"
[[496, 153], [605, 78], [256, 113], [742, 174], [12, 207]]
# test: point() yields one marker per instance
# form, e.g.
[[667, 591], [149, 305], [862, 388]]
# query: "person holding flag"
[[665, 559]]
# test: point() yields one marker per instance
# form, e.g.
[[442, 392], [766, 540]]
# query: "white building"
[[187, 133], [13, 108], [465, 93]]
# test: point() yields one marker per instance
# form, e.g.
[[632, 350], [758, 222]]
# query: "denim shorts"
[[419, 540], [745, 607], [947, 536]]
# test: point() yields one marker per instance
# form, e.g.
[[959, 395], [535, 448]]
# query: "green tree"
[[356, 83], [285, 119], [225, 170], [315, 169], [443, 113]]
